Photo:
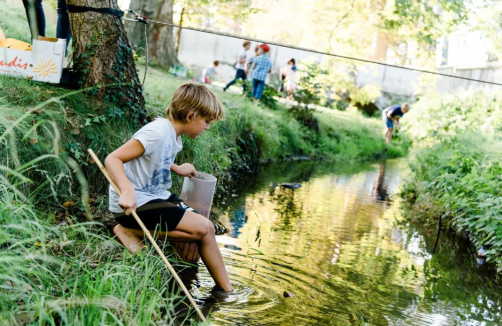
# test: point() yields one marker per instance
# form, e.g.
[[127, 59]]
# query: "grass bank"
[[458, 176]]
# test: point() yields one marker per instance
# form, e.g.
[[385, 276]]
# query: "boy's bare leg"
[[192, 227], [197, 227], [388, 137]]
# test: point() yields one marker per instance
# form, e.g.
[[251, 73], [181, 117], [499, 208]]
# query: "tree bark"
[[103, 58], [178, 33], [160, 37]]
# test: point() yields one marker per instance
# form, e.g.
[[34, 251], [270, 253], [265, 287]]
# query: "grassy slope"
[[55, 267], [248, 135]]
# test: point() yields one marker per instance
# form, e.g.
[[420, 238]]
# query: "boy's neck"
[[178, 127]]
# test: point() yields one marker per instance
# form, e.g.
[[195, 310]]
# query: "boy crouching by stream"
[[142, 168]]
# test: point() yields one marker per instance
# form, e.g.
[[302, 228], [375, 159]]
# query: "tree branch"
[[351, 6]]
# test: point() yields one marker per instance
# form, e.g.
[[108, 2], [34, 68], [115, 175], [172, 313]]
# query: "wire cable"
[[142, 18]]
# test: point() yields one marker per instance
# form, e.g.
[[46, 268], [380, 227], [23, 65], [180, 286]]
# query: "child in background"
[[241, 67], [249, 64], [142, 168], [210, 72], [291, 78], [391, 116], [262, 66]]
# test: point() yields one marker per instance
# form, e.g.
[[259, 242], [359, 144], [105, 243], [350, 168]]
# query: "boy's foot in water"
[[219, 294]]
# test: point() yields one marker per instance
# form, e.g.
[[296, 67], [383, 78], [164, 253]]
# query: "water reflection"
[[334, 244], [380, 189]]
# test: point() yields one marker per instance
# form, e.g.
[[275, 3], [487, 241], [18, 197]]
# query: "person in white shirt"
[[210, 72], [142, 169], [241, 67], [291, 77]]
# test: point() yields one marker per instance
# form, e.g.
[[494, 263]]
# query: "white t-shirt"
[[210, 72], [150, 174], [243, 56], [291, 77]]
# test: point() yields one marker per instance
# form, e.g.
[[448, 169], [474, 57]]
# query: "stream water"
[[336, 247]]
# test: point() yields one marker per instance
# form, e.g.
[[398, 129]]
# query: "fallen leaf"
[[37, 88], [75, 131], [288, 294], [68, 203]]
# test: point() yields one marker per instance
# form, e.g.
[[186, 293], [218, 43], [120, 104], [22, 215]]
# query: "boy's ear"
[[190, 117]]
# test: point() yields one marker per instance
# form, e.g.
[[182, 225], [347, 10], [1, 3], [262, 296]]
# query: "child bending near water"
[[142, 168], [391, 116]]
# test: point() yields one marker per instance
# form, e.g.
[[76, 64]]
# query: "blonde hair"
[[405, 106], [194, 97], [246, 43]]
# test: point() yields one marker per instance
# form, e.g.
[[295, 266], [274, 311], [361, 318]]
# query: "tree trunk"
[[178, 33], [103, 57], [380, 40], [160, 37], [380, 47], [162, 40]]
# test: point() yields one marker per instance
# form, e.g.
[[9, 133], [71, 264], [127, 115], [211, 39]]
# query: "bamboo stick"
[[149, 236]]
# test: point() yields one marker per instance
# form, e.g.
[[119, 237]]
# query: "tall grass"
[[57, 270]]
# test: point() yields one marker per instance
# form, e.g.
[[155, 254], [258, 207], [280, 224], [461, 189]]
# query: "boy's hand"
[[186, 170], [128, 201]]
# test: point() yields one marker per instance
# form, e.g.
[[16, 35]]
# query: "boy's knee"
[[117, 229], [210, 228], [205, 228]]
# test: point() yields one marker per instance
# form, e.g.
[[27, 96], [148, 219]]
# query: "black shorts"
[[158, 214]]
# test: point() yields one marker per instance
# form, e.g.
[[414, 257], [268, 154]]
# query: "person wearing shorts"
[[158, 214], [391, 116], [141, 168]]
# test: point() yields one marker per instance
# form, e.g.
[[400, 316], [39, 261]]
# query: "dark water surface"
[[335, 245]]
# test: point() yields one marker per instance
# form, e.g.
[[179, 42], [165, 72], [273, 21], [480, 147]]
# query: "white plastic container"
[[197, 193]]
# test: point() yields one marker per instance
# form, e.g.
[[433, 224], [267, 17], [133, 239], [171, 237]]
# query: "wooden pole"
[[149, 236]]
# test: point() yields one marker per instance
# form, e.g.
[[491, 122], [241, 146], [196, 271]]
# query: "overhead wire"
[[140, 18]]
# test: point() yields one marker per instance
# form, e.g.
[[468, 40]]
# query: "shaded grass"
[[67, 274]]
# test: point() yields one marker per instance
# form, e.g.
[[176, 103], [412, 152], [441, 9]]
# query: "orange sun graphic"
[[43, 69]]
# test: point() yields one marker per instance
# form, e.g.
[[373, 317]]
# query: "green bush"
[[267, 97], [458, 180], [440, 116]]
